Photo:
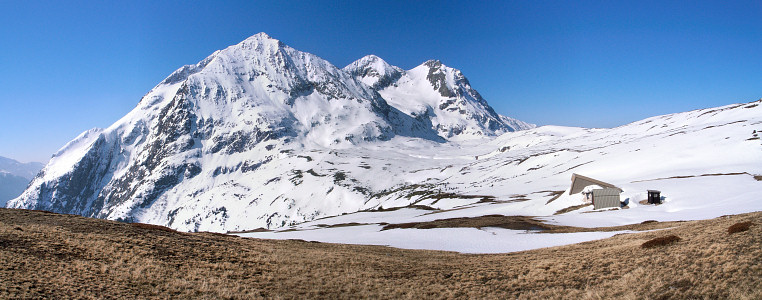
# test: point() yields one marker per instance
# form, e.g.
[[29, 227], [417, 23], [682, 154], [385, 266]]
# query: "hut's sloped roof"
[[579, 182]]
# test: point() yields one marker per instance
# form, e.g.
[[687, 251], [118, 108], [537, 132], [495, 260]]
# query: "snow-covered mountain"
[[435, 93], [223, 144], [14, 177]]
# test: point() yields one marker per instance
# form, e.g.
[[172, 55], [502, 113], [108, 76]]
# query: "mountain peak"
[[261, 38], [370, 57], [262, 35], [433, 63], [374, 71]]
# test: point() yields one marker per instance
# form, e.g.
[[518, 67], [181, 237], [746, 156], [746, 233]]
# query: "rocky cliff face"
[[251, 137]]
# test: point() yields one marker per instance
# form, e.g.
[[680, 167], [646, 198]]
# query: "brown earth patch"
[[660, 241], [555, 194], [500, 221], [520, 223], [415, 206], [350, 224], [571, 208], [739, 227], [260, 229], [692, 176]]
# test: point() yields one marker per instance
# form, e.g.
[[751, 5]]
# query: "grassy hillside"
[[65, 256]]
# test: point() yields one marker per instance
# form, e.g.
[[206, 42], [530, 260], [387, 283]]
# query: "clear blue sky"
[[68, 66]]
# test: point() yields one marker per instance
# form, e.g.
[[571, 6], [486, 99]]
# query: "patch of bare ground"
[[692, 176], [555, 194], [260, 229], [350, 224], [660, 241], [507, 222], [440, 196], [571, 208], [414, 206], [739, 227], [500, 221], [64, 256]]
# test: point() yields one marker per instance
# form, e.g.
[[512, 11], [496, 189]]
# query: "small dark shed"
[[654, 197]]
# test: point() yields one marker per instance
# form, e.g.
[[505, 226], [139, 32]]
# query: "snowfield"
[[464, 240], [706, 163]]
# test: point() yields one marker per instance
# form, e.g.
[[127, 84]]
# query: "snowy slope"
[[707, 163], [437, 94]]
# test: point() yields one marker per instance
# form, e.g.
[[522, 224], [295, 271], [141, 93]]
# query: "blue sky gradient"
[[68, 66]]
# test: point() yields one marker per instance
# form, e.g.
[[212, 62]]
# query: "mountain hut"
[[602, 195]]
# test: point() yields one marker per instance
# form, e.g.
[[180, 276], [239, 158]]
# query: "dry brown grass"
[[571, 208], [46, 255], [152, 227]]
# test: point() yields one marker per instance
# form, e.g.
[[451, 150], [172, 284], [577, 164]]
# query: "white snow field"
[[704, 162]]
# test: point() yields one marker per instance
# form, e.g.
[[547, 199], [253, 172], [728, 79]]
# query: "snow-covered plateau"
[[260, 135]]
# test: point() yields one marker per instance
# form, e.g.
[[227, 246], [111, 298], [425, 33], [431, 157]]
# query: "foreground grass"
[[63, 256]]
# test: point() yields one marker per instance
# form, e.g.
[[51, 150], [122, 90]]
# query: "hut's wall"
[[603, 198]]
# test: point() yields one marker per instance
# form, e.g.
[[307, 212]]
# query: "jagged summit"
[[260, 36], [433, 63], [445, 80], [259, 41], [281, 66]]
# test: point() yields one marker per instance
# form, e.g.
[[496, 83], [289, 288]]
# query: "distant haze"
[[14, 177]]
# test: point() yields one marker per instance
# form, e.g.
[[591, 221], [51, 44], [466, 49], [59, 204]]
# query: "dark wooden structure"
[[654, 197]]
